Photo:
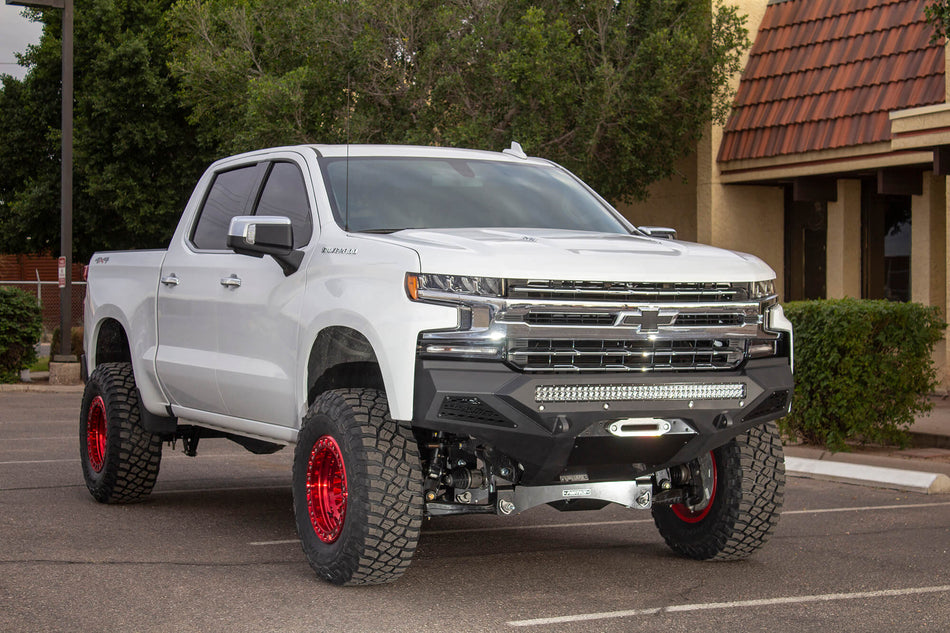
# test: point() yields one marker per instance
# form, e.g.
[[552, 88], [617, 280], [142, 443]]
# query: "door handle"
[[171, 280], [231, 282]]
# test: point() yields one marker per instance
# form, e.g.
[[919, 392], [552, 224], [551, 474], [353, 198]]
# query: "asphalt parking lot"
[[214, 549]]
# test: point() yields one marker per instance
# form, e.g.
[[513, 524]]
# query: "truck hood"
[[575, 255]]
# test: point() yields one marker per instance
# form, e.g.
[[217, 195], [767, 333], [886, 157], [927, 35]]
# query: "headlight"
[[762, 290], [422, 286]]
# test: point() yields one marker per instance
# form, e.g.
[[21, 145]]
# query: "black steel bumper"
[[498, 406]]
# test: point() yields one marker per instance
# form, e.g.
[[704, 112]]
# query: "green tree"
[[617, 91], [937, 13], [136, 158]]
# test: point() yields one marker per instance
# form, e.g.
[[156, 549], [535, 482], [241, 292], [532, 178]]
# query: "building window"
[[885, 235], [806, 239]]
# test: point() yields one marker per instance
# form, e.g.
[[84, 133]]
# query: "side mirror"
[[660, 232], [259, 235]]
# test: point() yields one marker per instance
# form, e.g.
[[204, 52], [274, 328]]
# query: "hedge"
[[75, 342], [21, 326], [863, 369]]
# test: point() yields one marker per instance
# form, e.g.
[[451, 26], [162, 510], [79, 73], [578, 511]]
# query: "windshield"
[[391, 194]]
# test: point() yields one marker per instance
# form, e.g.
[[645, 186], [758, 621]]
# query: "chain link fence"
[[47, 294]]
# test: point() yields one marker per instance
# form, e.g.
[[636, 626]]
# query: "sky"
[[16, 33]]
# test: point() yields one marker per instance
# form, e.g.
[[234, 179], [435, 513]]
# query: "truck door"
[[228, 323], [190, 313], [258, 333]]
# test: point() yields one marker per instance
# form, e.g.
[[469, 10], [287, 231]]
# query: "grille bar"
[[628, 292], [548, 355], [570, 318]]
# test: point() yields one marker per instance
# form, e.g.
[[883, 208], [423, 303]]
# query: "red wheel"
[[742, 488], [357, 487], [96, 433], [326, 489], [120, 458], [698, 512]]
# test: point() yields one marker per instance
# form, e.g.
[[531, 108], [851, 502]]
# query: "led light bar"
[[605, 393]]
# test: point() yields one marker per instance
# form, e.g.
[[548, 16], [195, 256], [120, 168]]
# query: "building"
[[832, 166]]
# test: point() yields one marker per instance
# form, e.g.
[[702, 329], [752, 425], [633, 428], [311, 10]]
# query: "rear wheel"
[[357, 487], [743, 487], [120, 459]]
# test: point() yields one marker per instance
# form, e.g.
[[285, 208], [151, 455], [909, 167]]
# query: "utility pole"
[[66, 175]]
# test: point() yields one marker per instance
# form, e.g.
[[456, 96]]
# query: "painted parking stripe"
[[42, 438], [739, 604], [632, 521], [73, 460], [179, 491]]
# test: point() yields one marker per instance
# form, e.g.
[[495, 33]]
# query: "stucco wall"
[[671, 203]]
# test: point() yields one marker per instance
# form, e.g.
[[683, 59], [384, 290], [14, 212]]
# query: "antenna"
[[515, 150], [346, 175]]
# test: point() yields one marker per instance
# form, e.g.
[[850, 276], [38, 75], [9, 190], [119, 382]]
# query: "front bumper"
[[500, 407]]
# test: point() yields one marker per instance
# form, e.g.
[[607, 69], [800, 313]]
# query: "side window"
[[226, 199], [285, 194]]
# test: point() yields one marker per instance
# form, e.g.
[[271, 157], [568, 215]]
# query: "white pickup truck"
[[440, 331]]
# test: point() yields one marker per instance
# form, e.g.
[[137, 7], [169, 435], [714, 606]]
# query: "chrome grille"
[[590, 319], [582, 355], [709, 320], [628, 292]]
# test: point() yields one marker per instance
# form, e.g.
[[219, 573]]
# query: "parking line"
[[221, 489], [739, 604], [41, 461], [39, 439], [868, 508], [175, 457]]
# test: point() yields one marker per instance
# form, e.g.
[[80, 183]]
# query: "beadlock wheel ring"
[[326, 489], [696, 513], [96, 433]]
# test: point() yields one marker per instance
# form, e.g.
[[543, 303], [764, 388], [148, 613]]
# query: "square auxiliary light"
[[606, 393]]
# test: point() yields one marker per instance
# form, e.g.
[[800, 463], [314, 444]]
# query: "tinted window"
[[285, 194], [227, 199], [388, 194]]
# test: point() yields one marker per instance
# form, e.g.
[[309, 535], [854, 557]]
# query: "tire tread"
[[392, 487], [130, 475], [754, 467]]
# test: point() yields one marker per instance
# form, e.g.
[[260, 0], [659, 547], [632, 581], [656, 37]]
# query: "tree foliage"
[[20, 330], [617, 91], [937, 13], [136, 157]]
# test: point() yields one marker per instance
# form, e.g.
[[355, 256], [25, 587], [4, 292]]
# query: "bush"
[[75, 342], [863, 369], [21, 326]]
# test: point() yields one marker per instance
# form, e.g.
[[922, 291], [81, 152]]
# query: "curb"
[[875, 476], [24, 387]]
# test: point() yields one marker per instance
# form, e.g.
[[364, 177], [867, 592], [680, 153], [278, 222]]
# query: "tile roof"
[[824, 74]]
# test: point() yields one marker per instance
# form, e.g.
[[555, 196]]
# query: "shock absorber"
[[465, 479]]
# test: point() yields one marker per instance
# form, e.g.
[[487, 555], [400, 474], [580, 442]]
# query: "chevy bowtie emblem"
[[649, 319]]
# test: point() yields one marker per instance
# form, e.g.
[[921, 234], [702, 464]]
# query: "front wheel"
[[357, 486], [743, 485]]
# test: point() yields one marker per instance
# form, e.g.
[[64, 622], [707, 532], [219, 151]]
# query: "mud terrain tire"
[[357, 487], [120, 459], [744, 506]]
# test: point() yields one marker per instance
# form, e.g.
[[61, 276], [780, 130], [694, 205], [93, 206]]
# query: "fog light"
[[762, 349]]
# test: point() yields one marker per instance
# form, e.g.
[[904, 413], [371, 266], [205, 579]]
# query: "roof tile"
[[824, 75]]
